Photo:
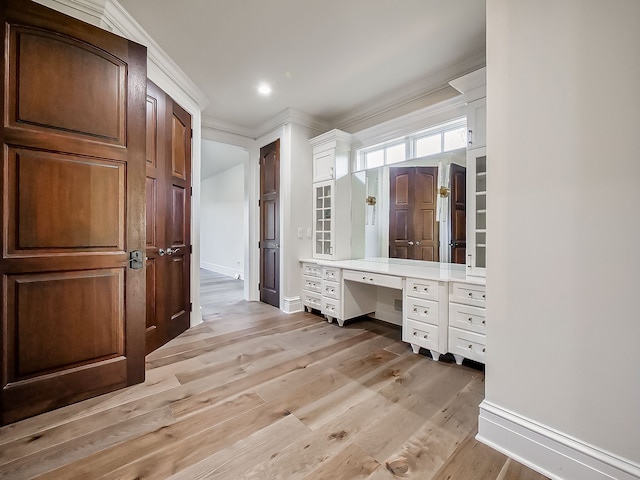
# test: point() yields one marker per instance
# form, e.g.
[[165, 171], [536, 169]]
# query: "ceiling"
[[218, 157], [327, 58]]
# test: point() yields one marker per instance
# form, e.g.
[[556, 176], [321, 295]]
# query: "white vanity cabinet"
[[424, 315], [332, 294], [336, 219], [467, 321], [311, 286]]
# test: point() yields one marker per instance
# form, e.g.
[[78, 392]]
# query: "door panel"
[[73, 207], [458, 197], [413, 229], [270, 224], [168, 218]]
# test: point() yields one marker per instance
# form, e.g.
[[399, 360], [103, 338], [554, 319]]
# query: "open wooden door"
[[168, 236], [73, 148]]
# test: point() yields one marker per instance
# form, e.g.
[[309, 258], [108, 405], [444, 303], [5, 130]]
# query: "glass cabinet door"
[[477, 211], [323, 221]]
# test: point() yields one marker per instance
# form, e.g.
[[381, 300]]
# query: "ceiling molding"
[[290, 115], [213, 124], [412, 93], [123, 23], [89, 11], [410, 123]]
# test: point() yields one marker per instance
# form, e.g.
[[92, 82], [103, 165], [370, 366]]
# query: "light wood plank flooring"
[[253, 393]]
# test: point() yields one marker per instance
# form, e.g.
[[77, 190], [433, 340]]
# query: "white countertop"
[[444, 272]]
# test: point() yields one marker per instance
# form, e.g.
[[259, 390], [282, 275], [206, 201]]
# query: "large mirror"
[[415, 209]]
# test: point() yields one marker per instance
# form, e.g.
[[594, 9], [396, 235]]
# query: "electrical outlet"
[[308, 232], [300, 234]]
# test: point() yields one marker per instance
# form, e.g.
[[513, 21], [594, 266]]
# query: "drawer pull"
[[426, 313], [470, 347], [470, 294], [483, 350], [415, 289], [484, 296], [470, 319], [484, 322], [426, 289], [415, 309]]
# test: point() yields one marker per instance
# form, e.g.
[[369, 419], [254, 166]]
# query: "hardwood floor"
[[253, 393]]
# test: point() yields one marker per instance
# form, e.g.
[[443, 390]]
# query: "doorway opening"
[[222, 214]]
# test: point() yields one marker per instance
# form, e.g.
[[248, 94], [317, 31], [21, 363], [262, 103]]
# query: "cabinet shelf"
[[481, 174], [484, 192]]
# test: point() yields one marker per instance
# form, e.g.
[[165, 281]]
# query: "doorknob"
[[171, 251], [417, 243], [161, 252], [410, 243]]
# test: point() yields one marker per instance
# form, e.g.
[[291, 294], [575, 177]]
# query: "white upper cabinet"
[[331, 153], [473, 87], [336, 219], [477, 124]]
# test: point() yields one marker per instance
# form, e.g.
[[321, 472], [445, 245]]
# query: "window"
[[440, 138]]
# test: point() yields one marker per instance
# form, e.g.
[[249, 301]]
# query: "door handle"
[[161, 252], [171, 251], [417, 243], [410, 243]]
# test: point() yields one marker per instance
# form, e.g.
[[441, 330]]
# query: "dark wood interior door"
[[458, 219], [168, 218], [413, 229], [73, 146], [270, 224]]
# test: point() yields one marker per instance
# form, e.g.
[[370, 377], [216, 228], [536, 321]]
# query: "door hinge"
[[258, 202], [258, 287], [191, 307], [191, 191], [192, 133], [258, 244], [190, 248]]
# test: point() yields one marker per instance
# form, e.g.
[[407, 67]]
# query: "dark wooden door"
[[270, 224], [73, 210], [458, 220], [168, 218], [413, 229]]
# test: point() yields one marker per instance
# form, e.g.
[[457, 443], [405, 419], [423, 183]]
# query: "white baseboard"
[[291, 304], [547, 451], [231, 272]]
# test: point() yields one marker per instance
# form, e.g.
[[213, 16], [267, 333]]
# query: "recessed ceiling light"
[[264, 89]]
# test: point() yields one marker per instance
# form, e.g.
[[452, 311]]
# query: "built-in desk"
[[346, 289]]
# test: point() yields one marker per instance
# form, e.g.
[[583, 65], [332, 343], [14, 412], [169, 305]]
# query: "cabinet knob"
[[470, 320], [470, 294], [483, 350], [470, 346], [484, 322]]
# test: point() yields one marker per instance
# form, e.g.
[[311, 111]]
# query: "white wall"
[[563, 108], [221, 222]]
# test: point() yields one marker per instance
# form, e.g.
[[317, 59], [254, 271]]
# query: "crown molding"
[[123, 23], [412, 93], [411, 122], [215, 125], [89, 11], [289, 115]]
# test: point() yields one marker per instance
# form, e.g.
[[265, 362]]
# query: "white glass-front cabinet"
[[477, 211], [323, 219], [338, 199]]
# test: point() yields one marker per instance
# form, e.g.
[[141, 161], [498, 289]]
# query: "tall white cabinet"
[[338, 215], [473, 86]]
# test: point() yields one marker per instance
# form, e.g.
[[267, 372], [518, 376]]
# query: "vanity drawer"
[[312, 300], [467, 344], [312, 284], [468, 294], [421, 310], [468, 318], [427, 289], [378, 279], [330, 307], [311, 270], [330, 273], [331, 289], [422, 334]]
